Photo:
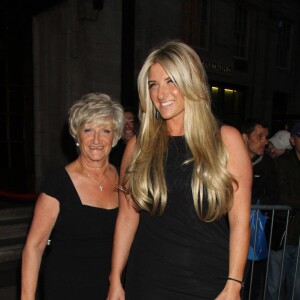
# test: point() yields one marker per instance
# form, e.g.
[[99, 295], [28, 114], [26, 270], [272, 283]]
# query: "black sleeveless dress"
[[176, 256], [77, 263]]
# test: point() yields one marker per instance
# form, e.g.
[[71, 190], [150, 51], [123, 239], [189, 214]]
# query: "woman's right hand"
[[116, 291]]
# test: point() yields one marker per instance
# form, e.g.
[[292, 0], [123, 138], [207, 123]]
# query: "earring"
[[77, 144], [157, 115]]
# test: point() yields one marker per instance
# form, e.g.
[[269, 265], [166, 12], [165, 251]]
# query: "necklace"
[[99, 183]]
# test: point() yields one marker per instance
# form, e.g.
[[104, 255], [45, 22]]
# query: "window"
[[283, 44], [197, 23], [228, 103], [241, 32]]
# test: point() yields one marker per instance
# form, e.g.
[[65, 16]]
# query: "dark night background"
[[40, 79]]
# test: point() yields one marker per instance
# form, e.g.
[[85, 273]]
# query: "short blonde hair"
[[99, 108]]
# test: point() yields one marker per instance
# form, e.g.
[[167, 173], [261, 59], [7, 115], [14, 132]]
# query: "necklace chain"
[[99, 183]]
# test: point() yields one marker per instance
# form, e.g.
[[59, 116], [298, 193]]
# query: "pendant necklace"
[[99, 183]]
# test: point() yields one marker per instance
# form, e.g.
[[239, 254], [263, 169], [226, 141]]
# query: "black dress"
[[176, 256], [77, 264]]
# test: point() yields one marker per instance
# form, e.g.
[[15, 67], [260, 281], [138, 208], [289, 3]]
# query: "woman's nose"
[[97, 137], [162, 93]]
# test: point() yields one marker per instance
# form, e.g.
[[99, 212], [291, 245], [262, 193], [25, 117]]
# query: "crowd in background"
[[276, 181]]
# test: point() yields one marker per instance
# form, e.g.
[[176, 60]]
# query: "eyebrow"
[[167, 78]]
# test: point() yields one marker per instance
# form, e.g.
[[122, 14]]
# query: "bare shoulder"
[[239, 162], [230, 134], [129, 149], [73, 168], [128, 154], [131, 144], [232, 140], [112, 169], [114, 173]]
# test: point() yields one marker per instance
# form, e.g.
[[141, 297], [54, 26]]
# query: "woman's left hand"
[[232, 291]]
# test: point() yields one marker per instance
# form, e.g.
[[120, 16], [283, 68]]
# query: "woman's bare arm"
[[126, 226], [239, 165], [45, 215]]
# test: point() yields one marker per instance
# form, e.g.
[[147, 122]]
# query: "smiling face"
[[95, 142], [164, 94]]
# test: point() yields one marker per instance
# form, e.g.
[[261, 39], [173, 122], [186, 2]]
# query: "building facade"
[[250, 49]]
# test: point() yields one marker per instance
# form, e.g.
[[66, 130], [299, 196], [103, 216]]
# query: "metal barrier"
[[276, 232]]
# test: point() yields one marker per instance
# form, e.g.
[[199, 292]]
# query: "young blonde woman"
[[183, 222]]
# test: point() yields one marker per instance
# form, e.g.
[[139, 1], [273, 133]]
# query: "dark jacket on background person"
[[288, 169], [265, 182]]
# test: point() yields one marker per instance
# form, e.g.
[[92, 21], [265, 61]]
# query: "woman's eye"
[[151, 85], [170, 81], [87, 130], [106, 131]]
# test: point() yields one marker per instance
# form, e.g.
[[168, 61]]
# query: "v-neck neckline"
[[79, 199]]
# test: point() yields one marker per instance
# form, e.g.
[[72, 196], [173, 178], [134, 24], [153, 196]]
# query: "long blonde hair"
[[145, 177]]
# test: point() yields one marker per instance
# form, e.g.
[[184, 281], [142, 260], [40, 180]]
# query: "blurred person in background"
[[255, 135], [288, 169], [264, 191], [279, 143]]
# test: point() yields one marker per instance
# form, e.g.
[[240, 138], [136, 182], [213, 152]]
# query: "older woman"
[[78, 206]]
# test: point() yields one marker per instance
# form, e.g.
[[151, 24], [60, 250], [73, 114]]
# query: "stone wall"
[[77, 50]]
